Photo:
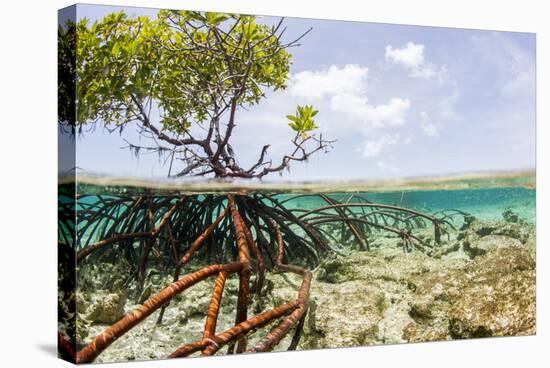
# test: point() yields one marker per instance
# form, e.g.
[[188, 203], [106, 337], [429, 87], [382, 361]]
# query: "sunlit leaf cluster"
[[116, 63], [302, 122]]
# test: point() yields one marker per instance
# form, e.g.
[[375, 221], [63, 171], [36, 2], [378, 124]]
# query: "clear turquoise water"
[[485, 203]]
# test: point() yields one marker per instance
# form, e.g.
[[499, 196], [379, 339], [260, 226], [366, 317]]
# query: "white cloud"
[[345, 88], [428, 127], [373, 147], [358, 108], [334, 81], [411, 56]]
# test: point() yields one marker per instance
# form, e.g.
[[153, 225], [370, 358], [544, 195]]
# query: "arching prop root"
[[177, 229], [65, 349], [212, 342], [111, 334], [375, 216]]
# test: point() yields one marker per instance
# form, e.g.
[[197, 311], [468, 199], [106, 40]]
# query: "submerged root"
[[245, 235]]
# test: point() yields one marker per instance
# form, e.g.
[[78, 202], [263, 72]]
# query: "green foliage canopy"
[[192, 69]]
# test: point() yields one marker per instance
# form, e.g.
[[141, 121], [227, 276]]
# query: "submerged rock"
[[479, 229], [499, 299], [480, 282], [482, 245], [106, 308], [482, 285], [336, 271], [346, 314], [510, 216], [368, 303], [468, 220], [494, 295], [500, 307], [82, 302]]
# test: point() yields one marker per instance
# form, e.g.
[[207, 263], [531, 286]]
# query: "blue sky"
[[401, 101]]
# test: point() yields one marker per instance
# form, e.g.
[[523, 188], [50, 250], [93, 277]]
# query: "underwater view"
[[164, 273], [233, 183]]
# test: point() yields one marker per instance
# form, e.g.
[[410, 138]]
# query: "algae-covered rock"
[[104, 275], [414, 332], [497, 307], [479, 229], [510, 216], [106, 308], [345, 314], [194, 301], [370, 308], [82, 302], [468, 220], [445, 250], [502, 261], [82, 329], [394, 308], [493, 295], [482, 245], [430, 302], [336, 271]]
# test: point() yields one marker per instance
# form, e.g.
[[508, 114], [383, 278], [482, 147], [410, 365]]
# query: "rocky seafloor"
[[479, 283]]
